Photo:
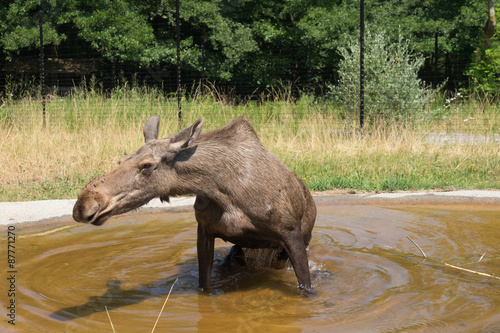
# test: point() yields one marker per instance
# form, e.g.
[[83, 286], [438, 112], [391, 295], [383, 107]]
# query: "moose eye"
[[146, 167]]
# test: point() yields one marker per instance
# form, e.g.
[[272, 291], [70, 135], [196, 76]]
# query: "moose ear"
[[186, 137], [151, 128]]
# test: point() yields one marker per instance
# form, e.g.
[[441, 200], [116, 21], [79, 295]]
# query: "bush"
[[393, 90], [485, 70]]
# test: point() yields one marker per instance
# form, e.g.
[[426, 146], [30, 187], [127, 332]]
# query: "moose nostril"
[[91, 214], [90, 218]]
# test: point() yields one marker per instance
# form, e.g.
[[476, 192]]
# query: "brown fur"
[[244, 194]]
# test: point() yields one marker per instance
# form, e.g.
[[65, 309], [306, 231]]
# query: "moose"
[[244, 194]]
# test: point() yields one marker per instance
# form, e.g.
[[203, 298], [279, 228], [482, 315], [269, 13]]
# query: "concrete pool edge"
[[49, 211]]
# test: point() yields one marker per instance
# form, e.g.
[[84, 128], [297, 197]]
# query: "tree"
[[457, 24], [484, 70], [250, 42], [106, 26], [142, 33], [491, 25], [393, 90]]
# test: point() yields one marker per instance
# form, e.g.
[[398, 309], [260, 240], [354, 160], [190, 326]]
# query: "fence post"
[[202, 46], [42, 66], [361, 63], [179, 92], [435, 59], [309, 70], [114, 71]]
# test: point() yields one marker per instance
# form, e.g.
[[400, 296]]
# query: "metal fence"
[[60, 70], [64, 68]]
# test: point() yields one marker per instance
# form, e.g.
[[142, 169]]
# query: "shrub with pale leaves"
[[393, 90]]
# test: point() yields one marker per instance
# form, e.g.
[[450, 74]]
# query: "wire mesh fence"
[[79, 70]]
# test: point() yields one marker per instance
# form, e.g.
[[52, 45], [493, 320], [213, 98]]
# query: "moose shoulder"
[[244, 194]]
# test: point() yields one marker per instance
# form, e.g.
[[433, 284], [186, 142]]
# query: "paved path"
[[34, 211]]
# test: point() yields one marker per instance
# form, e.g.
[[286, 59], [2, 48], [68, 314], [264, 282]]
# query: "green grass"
[[87, 133]]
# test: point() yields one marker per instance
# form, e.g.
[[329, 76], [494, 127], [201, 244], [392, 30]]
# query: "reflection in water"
[[114, 297], [369, 277]]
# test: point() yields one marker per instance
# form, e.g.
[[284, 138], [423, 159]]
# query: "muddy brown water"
[[368, 275]]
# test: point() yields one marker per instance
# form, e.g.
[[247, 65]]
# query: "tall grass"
[[87, 133]]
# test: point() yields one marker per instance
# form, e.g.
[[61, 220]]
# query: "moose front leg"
[[205, 248], [296, 249]]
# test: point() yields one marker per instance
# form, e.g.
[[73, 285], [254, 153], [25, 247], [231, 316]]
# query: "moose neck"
[[220, 160]]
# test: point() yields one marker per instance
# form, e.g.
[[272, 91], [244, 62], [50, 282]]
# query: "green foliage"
[[89, 131], [253, 41], [393, 90], [116, 26], [108, 26], [226, 41], [484, 71], [19, 25], [458, 23]]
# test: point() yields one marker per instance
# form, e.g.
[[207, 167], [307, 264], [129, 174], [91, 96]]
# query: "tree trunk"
[[491, 25]]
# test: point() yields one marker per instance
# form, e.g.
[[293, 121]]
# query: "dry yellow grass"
[[87, 135]]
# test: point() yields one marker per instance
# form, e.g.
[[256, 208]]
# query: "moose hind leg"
[[296, 250], [235, 257]]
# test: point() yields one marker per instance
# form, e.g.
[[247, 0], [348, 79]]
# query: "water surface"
[[369, 276]]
